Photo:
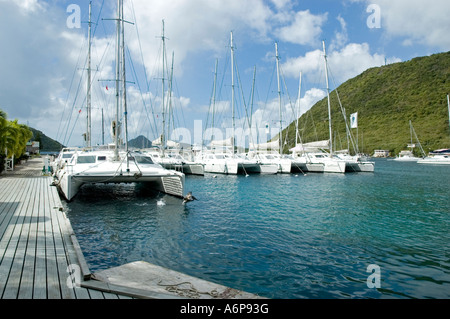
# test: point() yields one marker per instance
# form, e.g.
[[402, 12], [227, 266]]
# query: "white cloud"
[[37, 55], [305, 28], [307, 64], [196, 25], [341, 37], [28, 5], [344, 64], [352, 60], [418, 21], [281, 4], [310, 98]]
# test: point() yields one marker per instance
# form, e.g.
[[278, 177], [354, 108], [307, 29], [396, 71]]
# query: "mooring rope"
[[189, 292]]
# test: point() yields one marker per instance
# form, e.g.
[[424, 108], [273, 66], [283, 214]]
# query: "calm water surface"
[[283, 236]]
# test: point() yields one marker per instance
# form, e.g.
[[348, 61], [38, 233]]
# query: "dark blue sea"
[[283, 236]]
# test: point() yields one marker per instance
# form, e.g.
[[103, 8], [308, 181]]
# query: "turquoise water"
[[283, 236]]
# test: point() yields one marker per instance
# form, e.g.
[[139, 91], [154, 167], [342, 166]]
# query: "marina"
[[256, 243], [241, 192], [40, 257], [282, 236]]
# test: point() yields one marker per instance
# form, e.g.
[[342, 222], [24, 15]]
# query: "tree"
[[13, 137]]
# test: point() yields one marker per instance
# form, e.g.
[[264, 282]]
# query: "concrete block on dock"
[[149, 277]]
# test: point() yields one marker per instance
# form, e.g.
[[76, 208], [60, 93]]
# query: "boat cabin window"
[[67, 155], [220, 157], [143, 160], [86, 159], [101, 158]]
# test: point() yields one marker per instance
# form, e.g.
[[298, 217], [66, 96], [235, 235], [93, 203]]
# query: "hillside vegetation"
[[13, 139], [386, 99], [46, 144]]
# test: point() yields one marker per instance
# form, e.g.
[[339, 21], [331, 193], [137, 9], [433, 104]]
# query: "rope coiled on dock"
[[188, 292]]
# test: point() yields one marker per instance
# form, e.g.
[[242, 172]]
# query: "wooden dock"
[[39, 254], [40, 257]]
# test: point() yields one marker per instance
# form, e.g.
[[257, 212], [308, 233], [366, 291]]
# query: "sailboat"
[[441, 156], [408, 155], [115, 163], [173, 159], [270, 152], [437, 157], [166, 152], [221, 157], [314, 155]]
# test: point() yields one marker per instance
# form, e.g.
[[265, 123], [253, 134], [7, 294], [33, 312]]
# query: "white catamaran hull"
[[268, 168], [74, 174], [221, 167], [321, 163], [326, 167], [284, 166], [172, 185], [193, 169], [360, 167]]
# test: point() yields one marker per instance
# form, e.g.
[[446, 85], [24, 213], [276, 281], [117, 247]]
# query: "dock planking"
[[37, 241]]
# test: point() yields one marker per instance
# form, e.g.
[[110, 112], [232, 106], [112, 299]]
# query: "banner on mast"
[[354, 120]]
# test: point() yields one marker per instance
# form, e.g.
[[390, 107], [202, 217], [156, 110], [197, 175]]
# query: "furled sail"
[[170, 144], [275, 145], [222, 143], [311, 146]]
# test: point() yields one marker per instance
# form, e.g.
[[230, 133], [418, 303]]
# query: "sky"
[[44, 52]]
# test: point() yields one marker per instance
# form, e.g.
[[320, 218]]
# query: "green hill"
[[46, 144], [386, 99]]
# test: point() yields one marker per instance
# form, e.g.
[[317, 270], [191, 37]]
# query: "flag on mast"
[[354, 120]]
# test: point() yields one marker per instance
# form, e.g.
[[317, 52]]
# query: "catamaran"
[[165, 151], [221, 157], [270, 153], [441, 156], [313, 156], [173, 160], [115, 163], [268, 156]]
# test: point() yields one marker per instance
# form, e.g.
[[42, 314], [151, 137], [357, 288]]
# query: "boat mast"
[[279, 96], [411, 134], [214, 98], [251, 108], [118, 36], [448, 103], [171, 120], [297, 134], [88, 98], [103, 130], [124, 82], [163, 138], [232, 91], [328, 96]]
